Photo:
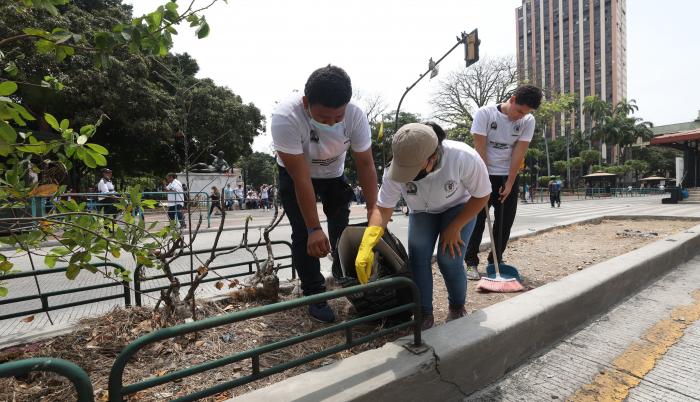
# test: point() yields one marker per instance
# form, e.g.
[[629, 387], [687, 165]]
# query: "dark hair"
[[528, 95], [328, 86], [173, 175], [438, 131]]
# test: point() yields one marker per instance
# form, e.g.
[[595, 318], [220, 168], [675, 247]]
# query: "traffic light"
[[471, 47]]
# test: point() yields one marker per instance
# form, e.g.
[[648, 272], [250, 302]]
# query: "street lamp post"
[[471, 56]]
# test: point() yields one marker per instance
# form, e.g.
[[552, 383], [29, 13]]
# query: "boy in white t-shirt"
[[502, 134], [311, 135]]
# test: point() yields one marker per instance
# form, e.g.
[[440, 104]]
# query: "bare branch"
[[491, 80]]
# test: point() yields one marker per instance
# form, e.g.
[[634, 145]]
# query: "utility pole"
[[471, 55]]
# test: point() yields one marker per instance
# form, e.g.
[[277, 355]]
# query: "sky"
[[263, 50]]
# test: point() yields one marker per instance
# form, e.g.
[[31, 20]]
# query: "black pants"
[[555, 197], [335, 196], [215, 203], [503, 212]]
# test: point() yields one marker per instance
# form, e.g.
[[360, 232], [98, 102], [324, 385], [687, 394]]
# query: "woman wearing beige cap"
[[445, 184]]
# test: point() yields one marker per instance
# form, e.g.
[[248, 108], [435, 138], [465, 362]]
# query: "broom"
[[496, 282]]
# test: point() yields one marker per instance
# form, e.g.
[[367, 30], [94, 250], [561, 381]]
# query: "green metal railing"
[[74, 373], [118, 391], [44, 297], [40, 205]]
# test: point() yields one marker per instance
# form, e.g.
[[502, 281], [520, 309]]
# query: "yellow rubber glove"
[[365, 254]]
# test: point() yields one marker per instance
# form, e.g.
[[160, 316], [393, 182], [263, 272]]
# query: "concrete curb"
[[470, 353]]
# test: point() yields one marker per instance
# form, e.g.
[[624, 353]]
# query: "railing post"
[[78, 376]]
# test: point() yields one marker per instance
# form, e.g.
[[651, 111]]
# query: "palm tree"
[[596, 109]]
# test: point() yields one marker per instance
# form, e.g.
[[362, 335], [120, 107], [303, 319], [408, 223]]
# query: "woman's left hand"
[[451, 239]]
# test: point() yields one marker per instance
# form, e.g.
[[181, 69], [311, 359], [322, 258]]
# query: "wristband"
[[311, 230]]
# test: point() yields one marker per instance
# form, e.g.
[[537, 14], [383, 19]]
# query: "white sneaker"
[[473, 273]]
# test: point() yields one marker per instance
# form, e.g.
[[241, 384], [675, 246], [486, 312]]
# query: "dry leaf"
[[44, 190], [199, 344], [219, 285], [229, 307], [161, 373], [224, 396], [202, 270], [29, 318]]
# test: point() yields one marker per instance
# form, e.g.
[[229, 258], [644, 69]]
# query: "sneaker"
[[322, 312], [473, 273], [428, 321], [456, 312]]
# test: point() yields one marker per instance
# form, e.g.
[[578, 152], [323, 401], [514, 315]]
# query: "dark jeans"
[[503, 212], [555, 197], [175, 211], [215, 203], [335, 196]]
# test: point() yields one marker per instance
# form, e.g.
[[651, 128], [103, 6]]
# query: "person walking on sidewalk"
[[502, 134], [554, 187], [215, 198], [445, 184], [176, 199], [311, 134]]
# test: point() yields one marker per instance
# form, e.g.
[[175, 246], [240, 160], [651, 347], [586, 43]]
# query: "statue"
[[219, 165]]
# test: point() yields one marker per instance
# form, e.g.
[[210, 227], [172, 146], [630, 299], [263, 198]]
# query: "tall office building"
[[575, 46]]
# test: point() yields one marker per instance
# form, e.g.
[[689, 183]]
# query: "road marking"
[[630, 367]]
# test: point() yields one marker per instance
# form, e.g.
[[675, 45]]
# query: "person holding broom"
[[445, 184], [502, 134]]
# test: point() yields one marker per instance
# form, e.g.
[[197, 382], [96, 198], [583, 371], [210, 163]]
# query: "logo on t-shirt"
[[411, 188], [499, 145], [450, 188], [494, 125], [313, 136], [516, 130]]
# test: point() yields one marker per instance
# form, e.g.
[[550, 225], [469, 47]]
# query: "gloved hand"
[[365, 254]]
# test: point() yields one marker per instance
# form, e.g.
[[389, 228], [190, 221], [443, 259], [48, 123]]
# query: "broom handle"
[[493, 245]]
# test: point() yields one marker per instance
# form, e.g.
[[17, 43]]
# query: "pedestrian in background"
[[228, 197], [215, 198], [176, 199]]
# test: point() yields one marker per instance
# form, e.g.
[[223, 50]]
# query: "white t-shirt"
[[176, 197], [461, 174], [293, 133], [501, 135], [105, 187]]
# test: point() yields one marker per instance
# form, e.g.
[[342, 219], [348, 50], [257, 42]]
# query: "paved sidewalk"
[[646, 349]]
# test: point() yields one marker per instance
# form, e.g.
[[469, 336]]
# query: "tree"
[[618, 128], [595, 109], [558, 106], [560, 166], [374, 105], [258, 168], [577, 163], [590, 157], [30, 136], [492, 80], [136, 91], [660, 160], [637, 166]]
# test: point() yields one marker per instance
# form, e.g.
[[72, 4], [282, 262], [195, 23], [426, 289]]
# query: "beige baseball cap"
[[411, 146]]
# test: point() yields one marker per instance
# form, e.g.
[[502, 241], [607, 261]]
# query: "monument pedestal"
[[203, 182]]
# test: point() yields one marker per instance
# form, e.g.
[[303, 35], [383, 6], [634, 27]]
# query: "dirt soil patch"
[[541, 259]]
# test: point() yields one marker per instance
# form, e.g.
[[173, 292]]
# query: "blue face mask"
[[337, 128]]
